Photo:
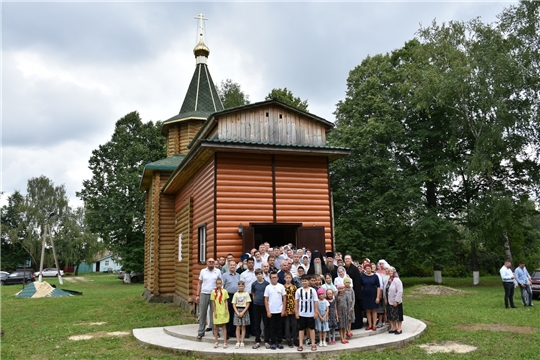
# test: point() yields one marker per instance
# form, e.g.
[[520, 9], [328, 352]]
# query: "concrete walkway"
[[183, 339]]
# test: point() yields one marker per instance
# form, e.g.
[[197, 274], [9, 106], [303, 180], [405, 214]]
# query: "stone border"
[[188, 344]]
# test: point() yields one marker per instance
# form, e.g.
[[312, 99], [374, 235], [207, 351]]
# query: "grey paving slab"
[[183, 338]]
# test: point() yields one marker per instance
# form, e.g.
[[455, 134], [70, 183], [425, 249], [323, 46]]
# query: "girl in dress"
[[343, 310], [321, 322], [332, 316], [350, 294], [241, 301], [328, 283], [221, 311]]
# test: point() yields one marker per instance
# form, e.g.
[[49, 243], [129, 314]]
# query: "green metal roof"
[[201, 99], [170, 163], [167, 164], [243, 142]]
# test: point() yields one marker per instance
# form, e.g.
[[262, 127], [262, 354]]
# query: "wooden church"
[[232, 179]]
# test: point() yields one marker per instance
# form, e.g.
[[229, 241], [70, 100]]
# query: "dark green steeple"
[[202, 98]]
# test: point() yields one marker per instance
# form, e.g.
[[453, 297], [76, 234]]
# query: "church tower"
[[201, 100]]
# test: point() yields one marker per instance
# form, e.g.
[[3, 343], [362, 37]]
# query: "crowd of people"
[[287, 294]]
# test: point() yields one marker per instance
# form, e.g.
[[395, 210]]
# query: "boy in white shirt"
[[275, 299], [306, 309]]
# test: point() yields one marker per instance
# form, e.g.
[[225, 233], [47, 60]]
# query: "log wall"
[[151, 248], [244, 195], [180, 135], [200, 191], [148, 241], [166, 264], [183, 267], [302, 192]]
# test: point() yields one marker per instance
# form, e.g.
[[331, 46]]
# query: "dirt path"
[[448, 347]]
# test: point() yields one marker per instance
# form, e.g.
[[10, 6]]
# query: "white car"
[[50, 272]]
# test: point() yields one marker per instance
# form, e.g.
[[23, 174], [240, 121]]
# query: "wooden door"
[[248, 239], [311, 237]]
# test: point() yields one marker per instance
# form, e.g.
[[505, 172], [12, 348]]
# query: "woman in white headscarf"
[[341, 275], [383, 277], [381, 267]]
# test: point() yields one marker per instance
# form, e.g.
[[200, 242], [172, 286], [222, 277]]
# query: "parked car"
[[17, 277], [535, 287], [135, 277], [49, 272]]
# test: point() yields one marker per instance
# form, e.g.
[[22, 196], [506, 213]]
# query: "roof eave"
[[167, 123], [332, 153]]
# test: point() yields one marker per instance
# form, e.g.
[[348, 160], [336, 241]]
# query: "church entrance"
[[279, 234]]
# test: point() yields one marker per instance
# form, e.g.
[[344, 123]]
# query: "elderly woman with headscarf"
[[317, 266], [371, 294], [381, 267], [341, 275], [393, 297]]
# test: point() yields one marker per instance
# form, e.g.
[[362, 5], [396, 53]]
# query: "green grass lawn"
[[40, 328]]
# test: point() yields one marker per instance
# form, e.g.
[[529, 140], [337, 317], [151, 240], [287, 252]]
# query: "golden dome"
[[201, 49]]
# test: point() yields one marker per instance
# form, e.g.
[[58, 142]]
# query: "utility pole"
[[48, 231]]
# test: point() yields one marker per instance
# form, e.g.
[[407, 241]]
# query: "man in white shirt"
[[264, 253], [248, 276], [275, 299], [508, 283], [296, 263], [207, 283]]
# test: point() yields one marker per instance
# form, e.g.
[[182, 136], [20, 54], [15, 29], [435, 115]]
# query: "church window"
[[202, 244]]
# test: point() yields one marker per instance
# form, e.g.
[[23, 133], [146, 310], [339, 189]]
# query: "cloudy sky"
[[71, 70]]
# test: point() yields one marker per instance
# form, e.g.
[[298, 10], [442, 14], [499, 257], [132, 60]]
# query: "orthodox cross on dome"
[[201, 51], [201, 28]]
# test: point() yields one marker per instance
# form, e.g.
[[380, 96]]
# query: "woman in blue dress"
[[371, 294]]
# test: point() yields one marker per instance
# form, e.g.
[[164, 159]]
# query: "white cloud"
[[71, 70]]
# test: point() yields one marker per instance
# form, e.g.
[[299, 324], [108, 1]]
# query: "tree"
[[379, 204], [286, 96], [231, 95], [476, 79], [43, 202], [441, 129], [75, 242], [113, 201], [12, 233]]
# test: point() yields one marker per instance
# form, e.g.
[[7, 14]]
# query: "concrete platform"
[[183, 339]]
